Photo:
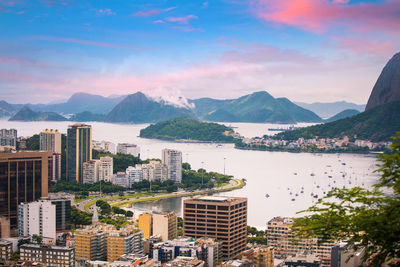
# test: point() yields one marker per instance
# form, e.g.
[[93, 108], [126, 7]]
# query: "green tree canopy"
[[365, 219]]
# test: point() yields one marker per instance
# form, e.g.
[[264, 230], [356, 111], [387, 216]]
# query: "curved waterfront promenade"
[[122, 201]]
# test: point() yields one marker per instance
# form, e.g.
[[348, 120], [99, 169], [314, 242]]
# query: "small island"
[[189, 130]]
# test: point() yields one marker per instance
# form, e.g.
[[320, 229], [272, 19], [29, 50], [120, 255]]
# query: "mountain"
[[327, 110], [27, 114], [138, 108], [255, 107], [344, 114], [80, 102], [205, 105], [7, 109], [87, 116], [387, 87], [376, 124], [188, 129]]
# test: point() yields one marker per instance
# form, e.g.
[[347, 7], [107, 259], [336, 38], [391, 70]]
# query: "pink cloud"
[[21, 12], [147, 13], [87, 42], [159, 21], [322, 15], [2, 9], [362, 46], [182, 20], [23, 62], [105, 12], [188, 29]]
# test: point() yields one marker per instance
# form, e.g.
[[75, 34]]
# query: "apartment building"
[[91, 171], [130, 149], [260, 256], [173, 160], [5, 251], [8, 137], [155, 170], [106, 169], [222, 218], [146, 224], [165, 225], [53, 256], [91, 242], [127, 240]]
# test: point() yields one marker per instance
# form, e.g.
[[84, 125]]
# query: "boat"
[[343, 163], [329, 176], [295, 173], [297, 195], [312, 174], [267, 196], [293, 199]]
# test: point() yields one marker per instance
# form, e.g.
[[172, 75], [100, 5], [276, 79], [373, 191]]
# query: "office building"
[[173, 160], [23, 178], [260, 256], [79, 150], [131, 149], [165, 225], [106, 169], [146, 224], [91, 242], [8, 138], [127, 240], [5, 251], [50, 140], [37, 218], [222, 218], [155, 170], [135, 174], [91, 171], [286, 244], [63, 213], [50, 255], [121, 179]]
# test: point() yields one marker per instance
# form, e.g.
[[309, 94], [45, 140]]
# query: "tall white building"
[[50, 140], [91, 171], [125, 148], [155, 170], [37, 218], [8, 137], [173, 160], [106, 169], [121, 179], [135, 174]]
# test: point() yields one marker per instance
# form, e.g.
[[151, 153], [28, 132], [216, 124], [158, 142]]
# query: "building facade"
[[79, 150], [146, 224], [135, 174], [222, 218], [37, 218], [53, 256], [155, 170], [5, 251], [173, 160], [91, 243], [23, 178], [131, 149], [286, 244], [50, 140], [91, 171], [106, 169], [127, 240], [121, 179], [8, 137], [165, 225], [63, 213]]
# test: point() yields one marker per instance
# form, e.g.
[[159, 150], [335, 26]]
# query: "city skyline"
[[306, 50]]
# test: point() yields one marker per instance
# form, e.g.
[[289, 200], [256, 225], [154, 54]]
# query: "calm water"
[[271, 173]]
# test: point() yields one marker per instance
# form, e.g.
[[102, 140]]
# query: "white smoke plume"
[[169, 96]]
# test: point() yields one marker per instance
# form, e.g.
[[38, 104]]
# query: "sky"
[[305, 50]]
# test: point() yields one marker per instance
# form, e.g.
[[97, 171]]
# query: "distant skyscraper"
[[173, 160], [37, 218], [23, 178], [79, 150], [50, 140], [8, 137]]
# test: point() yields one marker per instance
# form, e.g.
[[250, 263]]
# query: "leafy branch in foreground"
[[365, 219]]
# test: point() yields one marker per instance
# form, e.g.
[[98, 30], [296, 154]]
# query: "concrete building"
[[24, 177], [173, 160], [91, 171], [5, 251], [121, 179], [63, 213], [260, 256], [106, 169], [37, 218], [135, 174], [104, 146], [79, 150], [165, 225], [91, 242], [205, 249], [185, 261], [50, 140], [155, 170], [53, 256], [8, 138], [4, 227], [131, 149], [341, 257], [146, 224], [127, 240], [222, 218], [287, 244]]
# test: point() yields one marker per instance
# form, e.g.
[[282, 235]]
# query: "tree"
[[365, 219], [129, 214], [37, 239], [186, 166]]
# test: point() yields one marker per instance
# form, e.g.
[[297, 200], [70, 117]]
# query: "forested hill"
[[376, 124], [188, 129]]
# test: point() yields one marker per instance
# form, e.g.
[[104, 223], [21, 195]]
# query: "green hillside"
[[187, 129], [376, 124], [27, 114]]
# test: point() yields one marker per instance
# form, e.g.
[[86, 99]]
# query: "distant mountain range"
[[27, 114], [343, 114], [378, 122], [327, 110]]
